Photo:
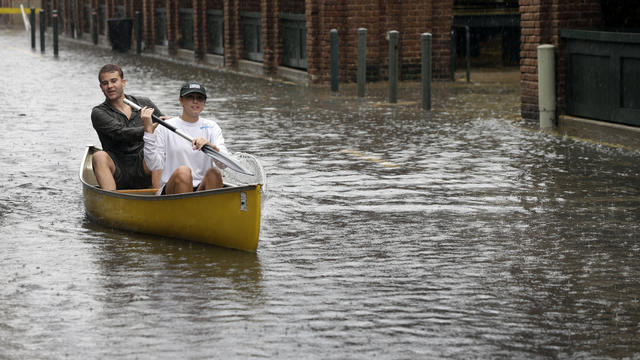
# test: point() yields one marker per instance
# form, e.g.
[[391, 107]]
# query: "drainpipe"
[[547, 86]]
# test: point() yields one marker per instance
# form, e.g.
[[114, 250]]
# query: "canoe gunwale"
[[203, 193]]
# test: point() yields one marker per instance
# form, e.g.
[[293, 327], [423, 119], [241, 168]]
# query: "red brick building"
[[284, 37], [597, 57], [262, 30]]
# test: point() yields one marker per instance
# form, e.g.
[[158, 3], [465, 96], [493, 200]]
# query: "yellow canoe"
[[228, 217]]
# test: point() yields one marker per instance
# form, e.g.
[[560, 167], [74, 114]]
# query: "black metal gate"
[[215, 32], [603, 75], [294, 40]]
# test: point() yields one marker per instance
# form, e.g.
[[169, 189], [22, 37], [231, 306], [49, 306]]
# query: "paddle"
[[205, 149]]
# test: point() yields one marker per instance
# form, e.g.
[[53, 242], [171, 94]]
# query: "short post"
[[468, 51], [333, 36], [426, 71], [546, 86], [138, 32], [454, 53], [42, 29], [54, 17], [94, 27], [362, 61], [393, 66], [32, 21]]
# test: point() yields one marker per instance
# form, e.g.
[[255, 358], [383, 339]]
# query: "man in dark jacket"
[[121, 163]]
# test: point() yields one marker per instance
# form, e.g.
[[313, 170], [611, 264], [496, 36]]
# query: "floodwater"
[[388, 232]]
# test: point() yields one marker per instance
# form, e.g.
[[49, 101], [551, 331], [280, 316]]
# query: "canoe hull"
[[228, 217]]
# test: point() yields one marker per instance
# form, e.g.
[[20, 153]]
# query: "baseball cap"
[[193, 87]]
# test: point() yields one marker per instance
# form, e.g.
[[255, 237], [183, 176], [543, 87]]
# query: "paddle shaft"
[[137, 107], [216, 155]]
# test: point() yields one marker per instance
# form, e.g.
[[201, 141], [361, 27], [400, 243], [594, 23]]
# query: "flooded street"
[[388, 232]]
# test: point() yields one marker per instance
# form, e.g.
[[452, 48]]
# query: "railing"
[[251, 35], [294, 40], [602, 72], [215, 31]]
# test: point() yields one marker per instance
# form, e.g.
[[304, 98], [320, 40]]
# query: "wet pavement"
[[388, 232]]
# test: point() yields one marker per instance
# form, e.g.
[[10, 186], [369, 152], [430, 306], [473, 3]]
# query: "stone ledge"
[[600, 131]]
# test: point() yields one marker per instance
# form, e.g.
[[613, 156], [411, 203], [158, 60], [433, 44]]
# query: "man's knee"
[[101, 160]]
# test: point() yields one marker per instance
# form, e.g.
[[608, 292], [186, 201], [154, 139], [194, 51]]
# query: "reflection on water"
[[388, 232]]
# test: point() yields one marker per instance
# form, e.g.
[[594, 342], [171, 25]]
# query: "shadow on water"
[[202, 265]]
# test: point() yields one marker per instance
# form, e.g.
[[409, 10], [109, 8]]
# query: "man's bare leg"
[[104, 168]]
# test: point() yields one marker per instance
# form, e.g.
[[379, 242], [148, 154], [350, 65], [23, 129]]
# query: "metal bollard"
[[468, 51], [333, 36], [94, 27], [138, 32], [454, 53], [32, 21], [546, 86], [362, 61], [393, 66], [426, 71], [54, 16], [42, 29]]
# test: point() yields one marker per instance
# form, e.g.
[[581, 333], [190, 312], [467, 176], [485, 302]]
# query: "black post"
[[426, 70], [32, 21], [394, 38], [468, 54], [453, 54], [333, 34], [73, 19], [55, 32], [361, 71], [94, 27], [138, 32], [42, 27]]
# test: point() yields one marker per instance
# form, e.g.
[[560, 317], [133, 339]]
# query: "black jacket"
[[121, 136]]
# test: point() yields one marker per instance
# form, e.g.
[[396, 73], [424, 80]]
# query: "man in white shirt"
[[184, 167]]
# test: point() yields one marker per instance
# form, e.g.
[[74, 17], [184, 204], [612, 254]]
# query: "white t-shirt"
[[167, 150]]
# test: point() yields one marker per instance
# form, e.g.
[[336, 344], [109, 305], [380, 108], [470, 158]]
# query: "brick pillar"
[[66, 12], [270, 34], [442, 18], [111, 9], [148, 23], [172, 26], [535, 19], [315, 39], [232, 45], [200, 28]]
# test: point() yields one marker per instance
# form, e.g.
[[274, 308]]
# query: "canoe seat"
[[150, 191]]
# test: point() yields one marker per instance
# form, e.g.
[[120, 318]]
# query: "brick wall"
[[410, 17], [541, 22], [292, 6]]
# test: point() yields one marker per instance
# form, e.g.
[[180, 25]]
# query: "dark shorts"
[[163, 190], [130, 172]]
